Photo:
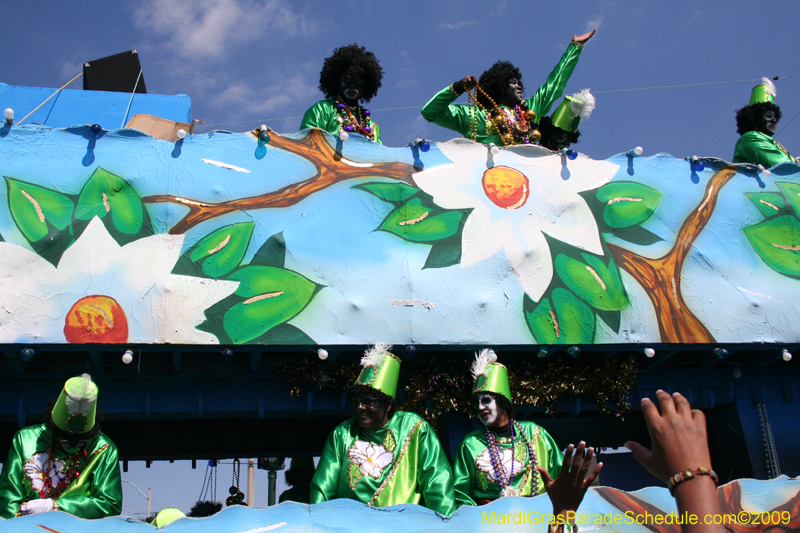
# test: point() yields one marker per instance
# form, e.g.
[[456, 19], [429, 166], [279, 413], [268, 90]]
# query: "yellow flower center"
[[506, 187], [96, 319]]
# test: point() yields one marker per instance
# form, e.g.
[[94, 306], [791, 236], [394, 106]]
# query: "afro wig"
[[495, 80], [548, 130], [749, 117], [351, 60]]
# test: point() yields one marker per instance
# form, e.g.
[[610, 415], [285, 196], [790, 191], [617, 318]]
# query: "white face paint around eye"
[[487, 410]]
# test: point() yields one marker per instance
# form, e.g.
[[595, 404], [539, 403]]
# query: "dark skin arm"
[[680, 443], [470, 82], [567, 490]]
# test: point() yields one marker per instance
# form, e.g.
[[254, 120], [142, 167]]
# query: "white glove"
[[36, 506]]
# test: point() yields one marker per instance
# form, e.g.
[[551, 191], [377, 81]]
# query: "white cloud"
[[594, 22], [211, 28], [266, 99], [456, 25]]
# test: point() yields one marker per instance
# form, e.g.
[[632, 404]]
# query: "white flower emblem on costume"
[[507, 460], [370, 458], [35, 470], [528, 191], [103, 286]]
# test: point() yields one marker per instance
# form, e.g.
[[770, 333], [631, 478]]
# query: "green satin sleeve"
[[97, 493], [323, 115], [759, 149], [433, 474], [463, 475], [12, 492], [325, 483], [553, 88], [441, 111]]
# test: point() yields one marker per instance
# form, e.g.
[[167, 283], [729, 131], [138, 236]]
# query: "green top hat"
[[489, 375], [76, 407], [167, 516], [763, 92], [380, 369], [572, 109]]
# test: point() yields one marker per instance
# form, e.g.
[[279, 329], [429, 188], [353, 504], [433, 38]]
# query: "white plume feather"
[[583, 104], [771, 90], [482, 360], [81, 396], [375, 355]]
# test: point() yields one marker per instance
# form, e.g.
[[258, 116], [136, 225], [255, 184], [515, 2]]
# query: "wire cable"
[[49, 97]]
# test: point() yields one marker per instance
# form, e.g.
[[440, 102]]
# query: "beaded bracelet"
[[686, 475]]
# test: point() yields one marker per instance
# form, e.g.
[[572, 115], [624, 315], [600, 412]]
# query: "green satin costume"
[[323, 115], [422, 476], [760, 149], [442, 112], [95, 493], [472, 483]]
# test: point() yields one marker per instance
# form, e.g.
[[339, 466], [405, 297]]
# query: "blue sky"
[[245, 62], [248, 62]]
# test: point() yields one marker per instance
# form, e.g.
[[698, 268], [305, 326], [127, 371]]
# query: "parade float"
[[221, 284]]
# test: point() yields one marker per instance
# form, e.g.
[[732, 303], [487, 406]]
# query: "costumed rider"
[[301, 470], [350, 76], [498, 114], [756, 123], [560, 130], [383, 457], [500, 459], [66, 464]]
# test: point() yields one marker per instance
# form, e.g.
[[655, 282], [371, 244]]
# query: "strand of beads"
[[48, 470], [515, 126], [494, 454], [531, 457], [351, 123]]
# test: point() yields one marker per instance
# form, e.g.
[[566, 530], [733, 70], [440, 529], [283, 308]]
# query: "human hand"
[[581, 39], [36, 506], [678, 434], [465, 84], [567, 490]]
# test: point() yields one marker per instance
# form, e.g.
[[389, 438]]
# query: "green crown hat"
[[489, 375], [76, 407], [167, 516], [763, 92], [572, 109], [380, 369]]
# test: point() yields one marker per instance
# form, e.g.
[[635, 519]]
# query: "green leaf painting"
[[271, 296], [567, 320], [627, 203], [106, 193], [769, 203], [389, 192], [777, 242], [792, 193], [597, 284], [414, 221], [221, 251], [33, 207], [272, 252]]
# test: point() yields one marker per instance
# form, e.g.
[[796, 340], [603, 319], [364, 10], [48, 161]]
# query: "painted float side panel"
[[305, 239]]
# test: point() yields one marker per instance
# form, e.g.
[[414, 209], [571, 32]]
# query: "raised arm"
[[680, 445], [567, 490], [453, 117], [553, 88]]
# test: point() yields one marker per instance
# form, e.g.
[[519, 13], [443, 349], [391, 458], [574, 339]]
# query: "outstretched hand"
[[567, 490], [581, 39], [678, 434]]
